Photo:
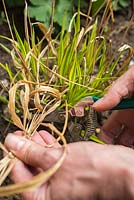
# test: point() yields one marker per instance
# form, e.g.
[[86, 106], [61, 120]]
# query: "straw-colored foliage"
[[70, 67], [32, 119], [44, 99]]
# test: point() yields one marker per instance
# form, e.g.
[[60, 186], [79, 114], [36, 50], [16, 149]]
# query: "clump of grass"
[[26, 90], [32, 119], [70, 67], [76, 62]]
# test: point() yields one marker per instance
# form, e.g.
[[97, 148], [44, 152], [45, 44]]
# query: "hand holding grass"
[[119, 127], [90, 170]]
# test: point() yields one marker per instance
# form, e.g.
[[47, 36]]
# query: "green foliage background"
[[12, 3], [40, 10]]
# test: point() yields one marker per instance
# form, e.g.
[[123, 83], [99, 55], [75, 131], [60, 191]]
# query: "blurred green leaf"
[[119, 4], [62, 9], [12, 3], [124, 3], [41, 11], [96, 6]]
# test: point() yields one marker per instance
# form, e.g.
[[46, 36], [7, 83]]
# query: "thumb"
[[32, 153]]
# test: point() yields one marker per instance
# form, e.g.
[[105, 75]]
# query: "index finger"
[[123, 87]]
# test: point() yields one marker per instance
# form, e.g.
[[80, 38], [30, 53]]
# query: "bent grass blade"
[[8, 162]]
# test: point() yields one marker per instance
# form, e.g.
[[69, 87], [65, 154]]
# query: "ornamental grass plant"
[[56, 73]]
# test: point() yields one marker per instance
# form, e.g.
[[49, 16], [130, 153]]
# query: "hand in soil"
[[119, 127], [89, 171]]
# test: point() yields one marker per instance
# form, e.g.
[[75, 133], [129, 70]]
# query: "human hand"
[[90, 170], [119, 127], [123, 87]]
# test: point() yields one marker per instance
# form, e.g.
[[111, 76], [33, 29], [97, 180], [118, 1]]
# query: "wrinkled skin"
[[89, 171]]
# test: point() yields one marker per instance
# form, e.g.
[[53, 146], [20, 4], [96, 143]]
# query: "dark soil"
[[119, 27]]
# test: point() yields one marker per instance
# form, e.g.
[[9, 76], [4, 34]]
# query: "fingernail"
[[14, 142]]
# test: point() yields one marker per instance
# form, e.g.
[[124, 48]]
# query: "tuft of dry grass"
[[56, 76], [45, 100], [32, 119]]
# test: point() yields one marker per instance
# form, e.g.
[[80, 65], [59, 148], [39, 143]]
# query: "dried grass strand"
[[37, 180], [29, 128]]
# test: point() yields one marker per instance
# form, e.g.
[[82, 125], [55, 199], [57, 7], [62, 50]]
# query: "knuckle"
[[28, 153]]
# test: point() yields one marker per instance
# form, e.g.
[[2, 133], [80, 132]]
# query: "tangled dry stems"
[[32, 119]]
